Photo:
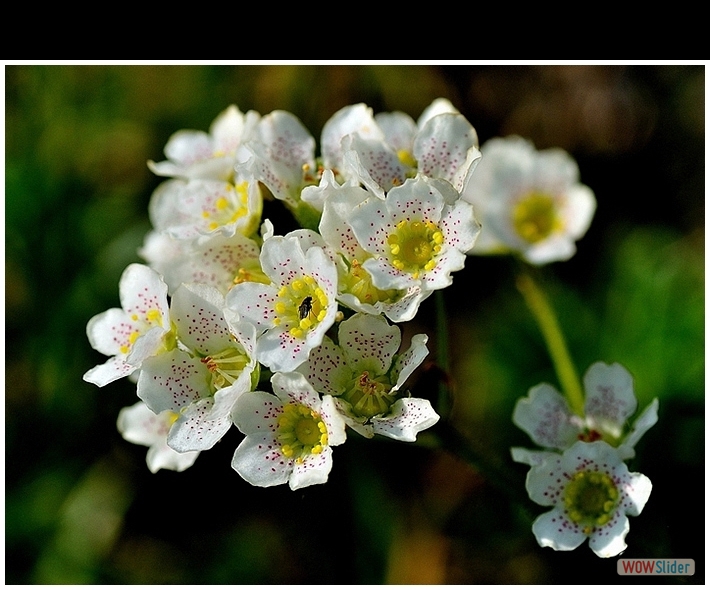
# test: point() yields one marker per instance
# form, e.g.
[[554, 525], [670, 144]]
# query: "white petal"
[[113, 369], [399, 129], [172, 381], [528, 457], [142, 290], [369, 343], [141, 426], [546, 417], [280, 351], [409, 360], [313, 470], [637, 489], [552, 529], [194, 432], [293, 387], [350, 119], [373, 163], [197, 312], [406, 418], [109, 331], [326, 368], [610, 398], [446, 147], [608, 541], [163, 457], [645, 420], [333, 420], [260, 462], [256, 412]]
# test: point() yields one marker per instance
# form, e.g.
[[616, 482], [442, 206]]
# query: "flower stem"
[[556, 345], [442, 353]]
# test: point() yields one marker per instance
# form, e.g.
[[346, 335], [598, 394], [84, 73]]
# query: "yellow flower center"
[[251, 272], [535, 217], [301, 432], [358, 282], [591, 498], [229, 207], [369, 396], [301, 305], [414, 246]]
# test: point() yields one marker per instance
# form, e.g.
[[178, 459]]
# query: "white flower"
[[202, 379], [282, 156], [196, 154], [609, 403], [529, 202], [289, 435], [140, 329], [591, 491], [140, 425], [355, 287], [366, 375], [189, 209], [218, 261], [416, 237], [292, 313], [442, 145]]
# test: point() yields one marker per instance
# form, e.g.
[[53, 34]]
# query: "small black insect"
[[305, 308]]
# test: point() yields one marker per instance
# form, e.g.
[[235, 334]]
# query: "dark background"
[[80, 503]]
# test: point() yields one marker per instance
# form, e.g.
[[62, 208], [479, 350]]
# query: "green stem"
[[442, 353], [556, 345]]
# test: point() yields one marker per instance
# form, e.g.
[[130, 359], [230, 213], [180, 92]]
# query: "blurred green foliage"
[[80, 504]]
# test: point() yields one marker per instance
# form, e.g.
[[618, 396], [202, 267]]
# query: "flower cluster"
[[581, 471], [292, 338]]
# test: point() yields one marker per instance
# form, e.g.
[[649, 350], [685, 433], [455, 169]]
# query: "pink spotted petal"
[[314, 469], [610, 398], [141, 290], [447, 147], [409, 360], [369, 343], [260, 462], [197, 312], [194, 432], [172, 381], [406, 418], [326, 368], [373, 163], [253, 302], [553, 529], [546, 417]]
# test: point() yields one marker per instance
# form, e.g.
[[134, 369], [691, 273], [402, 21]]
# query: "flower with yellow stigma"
[[356, 289], [591, 492], [416, 237], [289, 434], [191, 209], [139, 329], [366, 374], [293, 312], [529, 202], [140, 425]]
